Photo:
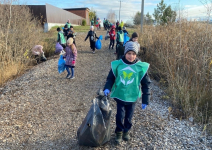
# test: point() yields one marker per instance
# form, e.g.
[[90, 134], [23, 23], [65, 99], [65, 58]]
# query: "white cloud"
[[196, 12], [190, 6]]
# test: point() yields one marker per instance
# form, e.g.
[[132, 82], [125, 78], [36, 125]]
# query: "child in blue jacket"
[[127, 77]]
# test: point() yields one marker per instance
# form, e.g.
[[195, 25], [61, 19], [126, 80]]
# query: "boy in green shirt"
[[127, 77], [60, 38]]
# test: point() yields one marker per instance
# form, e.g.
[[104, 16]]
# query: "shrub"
[[19, 31], [83, 22], [181, 54]]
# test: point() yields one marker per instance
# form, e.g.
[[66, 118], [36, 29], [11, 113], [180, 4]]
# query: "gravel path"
[[43, 110]]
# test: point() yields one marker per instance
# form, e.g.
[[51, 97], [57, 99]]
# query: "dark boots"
[[118, 137], [126, 136]]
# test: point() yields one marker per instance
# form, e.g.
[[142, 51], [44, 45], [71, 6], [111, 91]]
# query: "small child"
[[134, 38], [92, 36], [72, 34], [119, 39], [71, 56], [124, 80], [112, 34], [125, 31], [60, 38], [65, 30]]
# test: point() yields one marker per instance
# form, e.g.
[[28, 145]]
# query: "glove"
[[73, 62], [106, 92], [144, 106]]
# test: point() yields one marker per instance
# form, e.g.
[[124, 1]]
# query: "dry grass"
[[180, 55], [19, 32]]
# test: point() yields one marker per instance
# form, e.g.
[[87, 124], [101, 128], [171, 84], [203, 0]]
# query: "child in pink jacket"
[[71, 56]]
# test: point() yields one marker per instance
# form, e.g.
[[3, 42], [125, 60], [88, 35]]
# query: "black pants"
[[92, 45], [121, 43], [124, 117], [111, 43]]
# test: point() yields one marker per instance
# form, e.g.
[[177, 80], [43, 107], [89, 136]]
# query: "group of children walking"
[[126, 79]]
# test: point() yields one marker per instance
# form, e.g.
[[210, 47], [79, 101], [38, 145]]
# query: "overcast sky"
[[190, 8]]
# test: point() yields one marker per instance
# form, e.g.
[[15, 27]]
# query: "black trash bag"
[[95, 128]]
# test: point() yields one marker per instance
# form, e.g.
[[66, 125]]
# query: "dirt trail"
[[43, 110]]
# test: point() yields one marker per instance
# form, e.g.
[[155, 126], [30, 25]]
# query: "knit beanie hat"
[[70, 41], [134, 35], [58, 29], [131, 46]]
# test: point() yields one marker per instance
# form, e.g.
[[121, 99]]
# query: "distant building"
[[50, 15], [83, 12]]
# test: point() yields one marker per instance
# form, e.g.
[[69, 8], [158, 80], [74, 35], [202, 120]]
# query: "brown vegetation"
[[180, 55], [19, 32]]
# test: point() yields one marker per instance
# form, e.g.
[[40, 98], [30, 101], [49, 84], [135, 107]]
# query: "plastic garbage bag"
[[98, 43], [61, 64], [107, 35], [126, 38], [95, 128], [58, 48]]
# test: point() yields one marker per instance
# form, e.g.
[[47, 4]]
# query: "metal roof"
[[84, 8]]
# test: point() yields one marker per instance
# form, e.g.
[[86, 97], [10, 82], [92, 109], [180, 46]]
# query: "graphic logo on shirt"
[[126, 77], [92, 38]]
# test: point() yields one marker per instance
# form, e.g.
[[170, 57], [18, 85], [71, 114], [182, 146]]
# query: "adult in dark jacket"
[[92, 37], [125, 79], [117, 25]]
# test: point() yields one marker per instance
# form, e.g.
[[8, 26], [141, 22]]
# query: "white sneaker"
[[72, 77], [93, 52]]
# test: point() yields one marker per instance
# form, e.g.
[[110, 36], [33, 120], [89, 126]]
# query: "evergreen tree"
[[164, 14]]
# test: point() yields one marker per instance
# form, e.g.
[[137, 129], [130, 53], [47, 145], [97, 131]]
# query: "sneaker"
[[72, 77], [68, 76], [93, 52]]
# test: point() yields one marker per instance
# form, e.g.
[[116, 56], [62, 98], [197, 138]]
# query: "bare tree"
[[208, 5], [111, 16]]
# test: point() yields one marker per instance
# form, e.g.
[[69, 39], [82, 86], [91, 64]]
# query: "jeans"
[[124, 117], [72, 70]]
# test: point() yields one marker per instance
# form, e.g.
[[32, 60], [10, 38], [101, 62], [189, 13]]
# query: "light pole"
[[119, 10], [142, 15]]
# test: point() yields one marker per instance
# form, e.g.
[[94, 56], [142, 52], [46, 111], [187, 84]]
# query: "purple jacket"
[[70, 56]]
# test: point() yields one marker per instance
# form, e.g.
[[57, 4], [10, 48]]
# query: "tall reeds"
[[181, 54]]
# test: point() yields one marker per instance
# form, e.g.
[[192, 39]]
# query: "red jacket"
[[112, 34]]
